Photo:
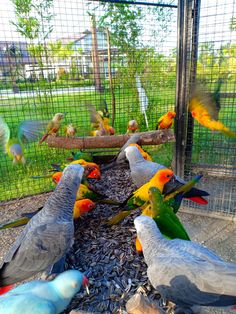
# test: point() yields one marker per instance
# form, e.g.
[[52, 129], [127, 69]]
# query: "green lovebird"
[[28, 131]]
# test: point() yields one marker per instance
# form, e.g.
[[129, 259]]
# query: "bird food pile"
[[107, 255]]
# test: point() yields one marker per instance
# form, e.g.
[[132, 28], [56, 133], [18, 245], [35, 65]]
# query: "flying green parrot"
[[28, 131]]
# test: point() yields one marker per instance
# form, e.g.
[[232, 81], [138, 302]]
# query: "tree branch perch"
[[146, 138]]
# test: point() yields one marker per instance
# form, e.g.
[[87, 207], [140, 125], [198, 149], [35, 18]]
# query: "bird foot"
[[47, 276]]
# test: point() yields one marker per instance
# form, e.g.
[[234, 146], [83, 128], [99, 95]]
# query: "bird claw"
[[47, 276]]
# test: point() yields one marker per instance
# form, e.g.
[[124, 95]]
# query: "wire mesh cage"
[[61, 56], [58, 61], [210, 152]]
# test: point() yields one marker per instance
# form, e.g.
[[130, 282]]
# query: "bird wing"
[[31, 130], [190, 280], [4, 134], [160, 119], [37, 247], [103, 108], [95, 117], [25, 303], [203, 101]]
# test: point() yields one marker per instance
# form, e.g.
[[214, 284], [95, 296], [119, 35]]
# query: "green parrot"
[[174, 200], [28, 131], [163, 214]]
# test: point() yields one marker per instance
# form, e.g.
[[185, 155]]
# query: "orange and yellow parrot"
[[70, 130], [205, 109], [140, 197], [100, 121], [81, 207], [166, 121], [91, 169], [53, 126]]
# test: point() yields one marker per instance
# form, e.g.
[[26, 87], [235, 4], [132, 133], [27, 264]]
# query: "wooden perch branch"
[[146, 138]]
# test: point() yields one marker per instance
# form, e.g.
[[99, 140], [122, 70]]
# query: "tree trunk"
[[113, 99], [146, 138], [95, 57]]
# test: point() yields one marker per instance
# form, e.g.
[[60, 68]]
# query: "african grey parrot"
[[143, 170], [48, 235], [185, 272], [120, 158]]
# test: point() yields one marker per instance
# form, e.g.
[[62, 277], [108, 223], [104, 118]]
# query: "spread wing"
[[203, 100], [4, 134], [31, 130]]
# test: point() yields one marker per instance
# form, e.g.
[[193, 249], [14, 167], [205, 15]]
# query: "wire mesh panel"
[[213, 153], [59, 56]]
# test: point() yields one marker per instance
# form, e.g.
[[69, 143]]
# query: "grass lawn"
[[17, 182]]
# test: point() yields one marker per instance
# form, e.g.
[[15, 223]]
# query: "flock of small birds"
[[151, 254]]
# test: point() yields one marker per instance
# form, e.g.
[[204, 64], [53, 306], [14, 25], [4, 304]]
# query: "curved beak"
[[85, 284]]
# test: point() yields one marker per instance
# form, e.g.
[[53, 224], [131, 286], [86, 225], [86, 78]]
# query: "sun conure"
[[166, 121], [205, 109], [80, 208], [171, 201], [100, 120], [140, 197]]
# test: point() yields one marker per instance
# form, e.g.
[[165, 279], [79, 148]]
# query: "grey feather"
[[31, 130], [120, 158], [48, 235], [143, 170], [184, 272]]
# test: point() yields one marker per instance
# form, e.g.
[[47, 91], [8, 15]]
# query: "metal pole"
[[194, 58], [182, 83]]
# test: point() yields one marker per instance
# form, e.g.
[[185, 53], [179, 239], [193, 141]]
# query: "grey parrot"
[[120, 158], [185, 272], [143, 170], [48, 235]]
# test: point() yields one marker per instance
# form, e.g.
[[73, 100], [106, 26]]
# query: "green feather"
[[165, 218]]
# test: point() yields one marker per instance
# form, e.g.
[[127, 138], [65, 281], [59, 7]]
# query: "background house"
[[13, 58], [82, 44]]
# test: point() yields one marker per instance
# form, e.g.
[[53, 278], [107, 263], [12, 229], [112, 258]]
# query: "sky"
[[71, 18]]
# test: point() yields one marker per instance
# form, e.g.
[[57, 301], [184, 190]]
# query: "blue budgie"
[[43, 297], [185, 272], [48, 235]]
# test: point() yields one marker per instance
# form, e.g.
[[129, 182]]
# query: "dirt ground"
[[215, 233]]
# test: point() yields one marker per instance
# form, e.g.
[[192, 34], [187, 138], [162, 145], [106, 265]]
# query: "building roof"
[[23, 58]]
